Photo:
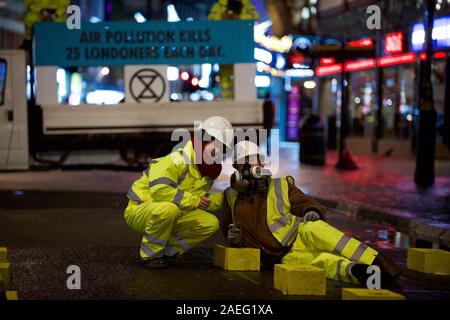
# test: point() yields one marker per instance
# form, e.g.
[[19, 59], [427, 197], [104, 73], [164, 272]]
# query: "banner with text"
[[159, 42]]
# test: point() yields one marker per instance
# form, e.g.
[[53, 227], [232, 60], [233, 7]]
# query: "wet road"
[[48, 231]]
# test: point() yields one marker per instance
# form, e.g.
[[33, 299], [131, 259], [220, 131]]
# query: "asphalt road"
[[46, 232]]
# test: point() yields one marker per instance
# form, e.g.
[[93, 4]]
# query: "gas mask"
[[253, 179]]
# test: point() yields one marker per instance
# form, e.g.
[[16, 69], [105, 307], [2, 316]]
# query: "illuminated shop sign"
[[437, 55], [397, 59], [440, 34], [293, 112], [366, 42], [360, 64], [299, 73], [393, 43], [324, 61], [331, 69]]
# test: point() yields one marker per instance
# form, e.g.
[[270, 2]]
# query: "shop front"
[[399, 68]]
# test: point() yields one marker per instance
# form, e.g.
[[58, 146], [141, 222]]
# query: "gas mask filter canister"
[[252, 179]]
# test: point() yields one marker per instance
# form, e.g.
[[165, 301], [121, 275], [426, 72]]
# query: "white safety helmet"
[[244, 149], [219, 128]]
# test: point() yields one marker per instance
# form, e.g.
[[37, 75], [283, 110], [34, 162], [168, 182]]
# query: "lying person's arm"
[[302, 204]]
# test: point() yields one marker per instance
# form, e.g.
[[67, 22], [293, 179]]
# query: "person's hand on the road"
[[204, 203], [234, 234], [311, 216]]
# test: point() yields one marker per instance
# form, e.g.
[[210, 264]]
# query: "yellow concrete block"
[[370, 294], [300, 280], [5, 272], [3, 254], [434, 261], [11, 295], [236, 259]]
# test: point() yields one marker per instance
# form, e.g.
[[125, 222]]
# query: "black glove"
[[311, 216], [234, 235]]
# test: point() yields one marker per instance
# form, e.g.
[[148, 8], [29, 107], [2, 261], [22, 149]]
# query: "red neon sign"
[[360, 64], [296, 58], [397, 59], [440, 55], [327, 61], [437, 55], [366, 42], [393, 43], [331, 69]]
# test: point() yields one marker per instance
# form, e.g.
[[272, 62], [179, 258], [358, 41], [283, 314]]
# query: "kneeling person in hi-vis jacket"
[[170, 204], [273, 215]]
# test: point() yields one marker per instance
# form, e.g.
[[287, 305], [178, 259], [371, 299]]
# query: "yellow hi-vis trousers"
[[167, 230], [323, 246]]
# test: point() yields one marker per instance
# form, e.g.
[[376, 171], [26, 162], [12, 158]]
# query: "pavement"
[[50, 220]]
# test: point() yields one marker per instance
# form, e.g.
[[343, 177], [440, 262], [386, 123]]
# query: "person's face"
[[212, 152]]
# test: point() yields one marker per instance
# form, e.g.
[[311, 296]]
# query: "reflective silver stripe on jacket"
[[154, 240], [347, 271], [358, 252], [187, 161], [341, 244], [279, 194], [147, 171], [170, 251], [280, 222], [182, 177], [150, 252], [178, 197], [133, 196], [293, 229], [162, 180], [284, 219], [183, 244]]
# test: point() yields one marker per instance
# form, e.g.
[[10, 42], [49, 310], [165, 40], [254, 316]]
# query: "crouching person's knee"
[[209, 224], [169, 211]]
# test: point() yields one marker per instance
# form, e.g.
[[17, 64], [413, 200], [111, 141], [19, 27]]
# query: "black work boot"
[[359, 271], [387, 267], [155, 263]]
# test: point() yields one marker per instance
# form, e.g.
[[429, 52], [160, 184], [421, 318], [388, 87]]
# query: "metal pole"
[[426, 147], [345, 160], [447, 104], [344, 112], [378, 132]]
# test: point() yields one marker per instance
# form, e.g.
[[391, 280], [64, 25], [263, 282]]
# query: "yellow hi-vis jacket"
[[281, 223], [175, 178], [34, 8], [248, 10]]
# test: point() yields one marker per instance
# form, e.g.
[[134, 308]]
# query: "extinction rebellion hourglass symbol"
[[147, 85]]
